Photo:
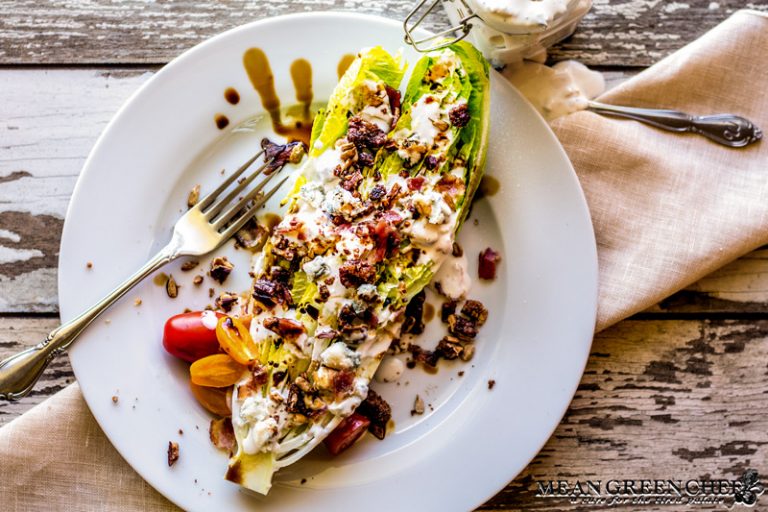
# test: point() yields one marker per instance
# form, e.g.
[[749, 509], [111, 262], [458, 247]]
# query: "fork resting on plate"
[[204, 228]]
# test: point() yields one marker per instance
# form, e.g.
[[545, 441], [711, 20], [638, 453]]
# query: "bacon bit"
[[416, 183], [487, 264], [394, 103], [365, 134], [426, 357], [173, 453], [377, 193], [189, 265], [222, 434], [376, 409], [353, 273], [459, 115], [414, 315], [447, 309], [284, 327], [343, 381], [220, 269], [277, 155]]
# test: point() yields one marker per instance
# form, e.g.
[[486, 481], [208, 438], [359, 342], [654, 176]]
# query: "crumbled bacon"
[[394, 103], [487, 265], [353, 273], [343, 380], [351, 181], [447, 309], [222, 434], [377, 193], [376, 409], [425, 357], [278, 155], [365, 134], [284, 327], [459, 115], [173, 453], [416, 183], [414, 312]]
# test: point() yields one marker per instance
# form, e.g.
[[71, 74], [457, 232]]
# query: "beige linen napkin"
[[667, 209]]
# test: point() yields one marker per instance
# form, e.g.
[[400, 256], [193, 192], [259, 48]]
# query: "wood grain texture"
[[687, 393], [658, 400], [625, 33], [17, 334]]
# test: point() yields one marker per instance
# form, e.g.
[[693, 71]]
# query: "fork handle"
[[20, 372]]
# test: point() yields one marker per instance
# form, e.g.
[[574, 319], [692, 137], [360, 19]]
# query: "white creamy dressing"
[[390, 369], [209, 319], [523, 13], [256, 419], [453, 277], [422, 115], [556, 91]]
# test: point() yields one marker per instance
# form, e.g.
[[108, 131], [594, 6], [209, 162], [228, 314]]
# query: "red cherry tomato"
[[187, 337], [346, 433]]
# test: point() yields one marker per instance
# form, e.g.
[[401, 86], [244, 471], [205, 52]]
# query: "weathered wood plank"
[[49, 120], [627, 33], [18, 333], [659, 399]]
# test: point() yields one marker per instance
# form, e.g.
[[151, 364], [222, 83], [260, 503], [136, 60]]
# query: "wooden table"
[[678, 391]]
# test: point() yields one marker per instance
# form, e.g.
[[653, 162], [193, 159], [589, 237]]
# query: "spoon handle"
[[726, 129]]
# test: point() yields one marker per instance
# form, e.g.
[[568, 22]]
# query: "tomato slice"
[[346, 433], [191, 336]]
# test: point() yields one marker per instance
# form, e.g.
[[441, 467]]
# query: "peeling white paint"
[[10, 235], [11, 255]]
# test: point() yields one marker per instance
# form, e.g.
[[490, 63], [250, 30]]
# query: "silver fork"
[[204, 228]]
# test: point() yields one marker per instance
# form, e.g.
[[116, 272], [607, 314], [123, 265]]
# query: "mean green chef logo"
[[743, 491]]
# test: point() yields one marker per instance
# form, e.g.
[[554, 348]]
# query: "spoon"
[[726, 129]]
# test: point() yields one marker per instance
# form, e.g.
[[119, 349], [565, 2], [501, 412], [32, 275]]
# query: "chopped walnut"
[[194, 196], [449, 348], [137, 302], [461, 327], [114, 399], [173, 453], [89, 265], [171, 288], [189, 265], [491, 383], [418, 406], [475, 311], [467, 352], [198, 280], [220, 269], [226, 300]]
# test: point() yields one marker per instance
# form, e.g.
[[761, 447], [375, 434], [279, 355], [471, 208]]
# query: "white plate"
[[535, 344]]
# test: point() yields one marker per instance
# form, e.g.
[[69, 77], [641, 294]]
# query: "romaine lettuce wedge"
[[372, 217]]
